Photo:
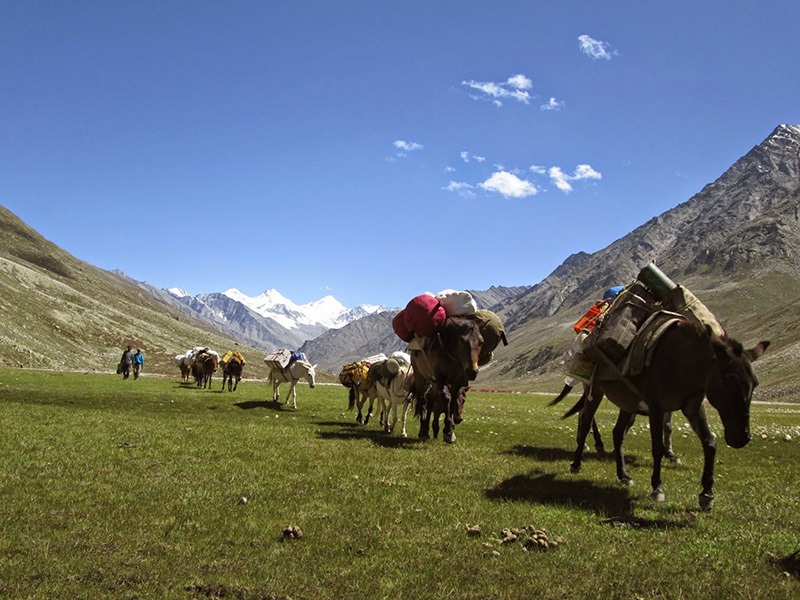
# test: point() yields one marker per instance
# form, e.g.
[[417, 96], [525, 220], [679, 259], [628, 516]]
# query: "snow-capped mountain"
[[327, 312]]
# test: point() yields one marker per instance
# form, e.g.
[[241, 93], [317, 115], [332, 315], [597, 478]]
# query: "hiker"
[[126, 361], [138, 363]]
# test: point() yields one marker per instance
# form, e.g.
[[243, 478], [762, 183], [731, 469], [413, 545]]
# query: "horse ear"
[[756, 351], [315, 366]]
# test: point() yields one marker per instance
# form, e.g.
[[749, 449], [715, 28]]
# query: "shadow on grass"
[[565, 455], [614, 502], [354, 431], [788, 564], [275, 405]]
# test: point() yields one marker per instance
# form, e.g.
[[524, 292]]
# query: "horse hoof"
[[658, 495], [600, 449], [573, 468], [424, 438], [674, 460], [706, 501], [626, 481], [450, 439]]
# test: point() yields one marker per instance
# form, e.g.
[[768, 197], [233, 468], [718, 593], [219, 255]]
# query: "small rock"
[[242, 500], [788, 438]]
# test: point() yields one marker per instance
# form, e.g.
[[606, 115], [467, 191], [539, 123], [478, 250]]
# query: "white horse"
[[390, 396], [291, 374]]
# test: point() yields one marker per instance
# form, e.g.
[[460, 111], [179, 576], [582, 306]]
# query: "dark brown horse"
[[204, 366], [688, 364], [232, 370], [437, 406], [598, 439], [448, 359]]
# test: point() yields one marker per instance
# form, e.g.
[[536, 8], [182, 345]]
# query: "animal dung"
[[533, 538], [292, 532], [474, 530]]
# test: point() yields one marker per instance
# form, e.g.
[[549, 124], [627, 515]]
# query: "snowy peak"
[[327, 312], [179, 292]]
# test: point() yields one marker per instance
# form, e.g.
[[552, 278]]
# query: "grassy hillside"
[[59, 312]]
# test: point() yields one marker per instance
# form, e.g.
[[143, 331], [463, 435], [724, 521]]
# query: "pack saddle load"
[[418, 323], [281, 358], [620, 335], [226, 358]]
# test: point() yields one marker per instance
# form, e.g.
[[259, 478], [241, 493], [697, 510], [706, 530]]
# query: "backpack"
[[423, 315]]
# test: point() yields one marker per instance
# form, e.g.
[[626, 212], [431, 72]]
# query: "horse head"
[[310, 373], [461, 342], [730, 384]]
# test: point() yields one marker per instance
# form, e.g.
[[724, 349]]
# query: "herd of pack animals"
[[686, 358]]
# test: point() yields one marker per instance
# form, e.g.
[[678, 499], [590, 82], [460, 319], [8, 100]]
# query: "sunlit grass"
[[153, 489]]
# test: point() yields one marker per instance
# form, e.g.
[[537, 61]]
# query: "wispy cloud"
[[562, 180], [515, 88], [509, 185], [404, 147], [595, 49], [466, 157], [552, 104], [462, 189]]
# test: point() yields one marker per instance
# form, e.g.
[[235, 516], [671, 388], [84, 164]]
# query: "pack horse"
[[288, 367]]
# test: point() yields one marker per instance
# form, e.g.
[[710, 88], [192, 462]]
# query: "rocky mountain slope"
[[734, 244]]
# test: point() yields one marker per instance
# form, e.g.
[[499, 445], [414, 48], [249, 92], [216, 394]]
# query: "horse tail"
[[578, 405], [567, 389], [353, 395]]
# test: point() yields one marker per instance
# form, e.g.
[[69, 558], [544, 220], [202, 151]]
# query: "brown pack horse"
[[449, 359], [689, 363], [204, 366], [232, 372], [598, 439]]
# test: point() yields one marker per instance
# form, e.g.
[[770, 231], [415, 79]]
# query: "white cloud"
[[562, 180], [515, 88], [479, 158], [462, 189], [553, 104], [520, 82], [465, 156], [449, 169], [538, 170], [509, 185], [404, 146], [595, 49]]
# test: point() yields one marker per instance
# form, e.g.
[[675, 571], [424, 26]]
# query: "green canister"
[[655, 279]]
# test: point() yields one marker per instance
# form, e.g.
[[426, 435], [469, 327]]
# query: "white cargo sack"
[[456, 303], [280, 357]]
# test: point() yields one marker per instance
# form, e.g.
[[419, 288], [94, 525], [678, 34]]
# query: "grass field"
[[135, 489]]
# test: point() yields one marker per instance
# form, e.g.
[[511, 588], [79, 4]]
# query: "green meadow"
[[157, 489]]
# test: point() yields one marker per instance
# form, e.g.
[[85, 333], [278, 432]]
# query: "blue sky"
[[375, 150]]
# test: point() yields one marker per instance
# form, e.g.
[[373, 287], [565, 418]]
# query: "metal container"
[[655, 279]]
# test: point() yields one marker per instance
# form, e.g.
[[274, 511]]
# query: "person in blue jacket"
[[138, 363]]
